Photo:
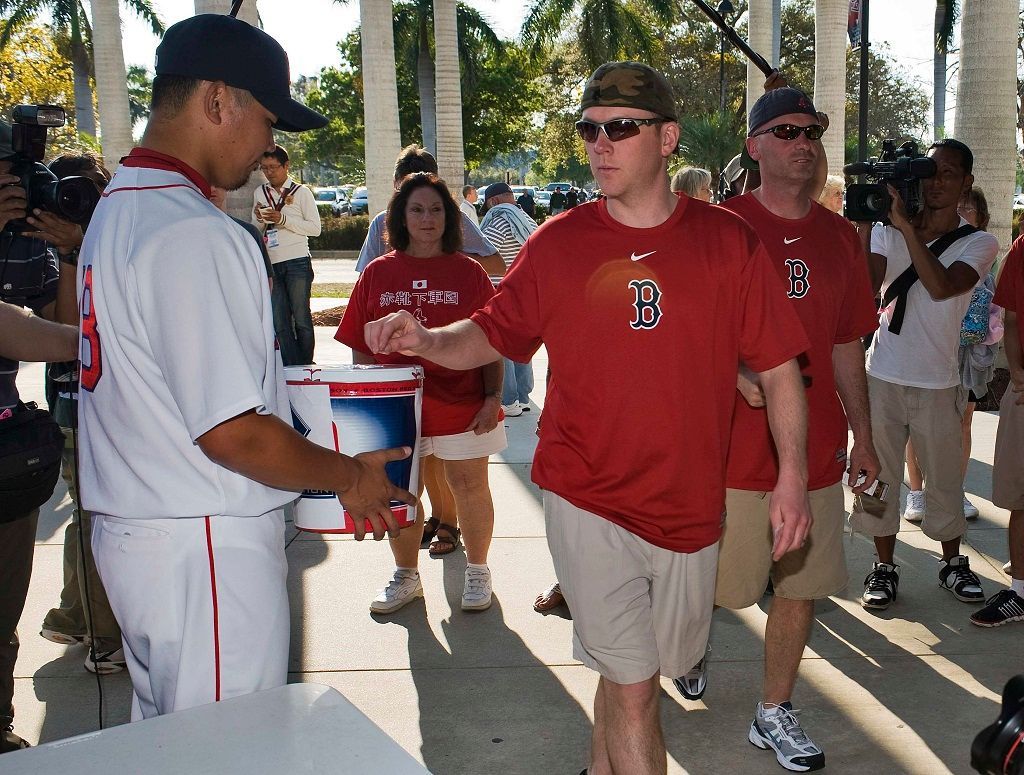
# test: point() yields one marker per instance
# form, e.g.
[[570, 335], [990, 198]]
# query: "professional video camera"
[[999, 749], [73, 198], [902, 167]]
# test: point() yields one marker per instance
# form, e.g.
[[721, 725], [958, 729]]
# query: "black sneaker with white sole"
[[776, 727], [693, 685], [880, 586], [956, 576], [1002, 608]]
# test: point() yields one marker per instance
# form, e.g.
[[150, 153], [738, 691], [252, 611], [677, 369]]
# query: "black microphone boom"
[[759, 61], [235, 5]]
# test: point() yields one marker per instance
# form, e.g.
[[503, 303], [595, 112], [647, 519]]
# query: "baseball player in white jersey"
[[188, 454]]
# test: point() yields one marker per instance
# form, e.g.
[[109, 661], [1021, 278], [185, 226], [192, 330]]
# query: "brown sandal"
[[429, 530], [549, 599], [447, 543]]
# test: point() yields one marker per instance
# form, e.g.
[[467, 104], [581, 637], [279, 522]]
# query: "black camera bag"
[[31, 444]]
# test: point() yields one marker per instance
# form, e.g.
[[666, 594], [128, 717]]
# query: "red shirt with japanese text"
[[1010, 288], [644, 329], [438, 290], [822, 265]]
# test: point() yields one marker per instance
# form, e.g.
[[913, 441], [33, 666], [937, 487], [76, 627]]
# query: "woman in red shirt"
[[428, 276]]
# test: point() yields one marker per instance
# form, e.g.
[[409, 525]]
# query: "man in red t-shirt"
[[819, 257], [646, 304], [1008, 470]]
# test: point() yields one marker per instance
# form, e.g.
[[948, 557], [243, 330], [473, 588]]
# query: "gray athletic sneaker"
[[777, 728]]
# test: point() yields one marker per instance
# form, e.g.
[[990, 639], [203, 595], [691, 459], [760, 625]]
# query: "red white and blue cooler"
[[353, 409]]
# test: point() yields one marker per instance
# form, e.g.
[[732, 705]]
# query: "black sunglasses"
[[616, 129], [792, 131]]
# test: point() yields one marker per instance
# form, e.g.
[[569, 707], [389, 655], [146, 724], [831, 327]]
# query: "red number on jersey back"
[[92, 360]]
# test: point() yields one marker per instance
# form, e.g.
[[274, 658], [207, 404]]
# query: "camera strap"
[[900, 288]]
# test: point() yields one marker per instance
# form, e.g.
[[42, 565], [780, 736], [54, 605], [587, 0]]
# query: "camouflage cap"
[[629, 85]]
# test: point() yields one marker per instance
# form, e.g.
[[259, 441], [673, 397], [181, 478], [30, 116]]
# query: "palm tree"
[[380, 100], [604, 30], [111, 82], [986, 111], [249, 11], [764, 33], [451, 162], [414, 23], [74, 38], [946, 12], [830, 18], [709, 140]]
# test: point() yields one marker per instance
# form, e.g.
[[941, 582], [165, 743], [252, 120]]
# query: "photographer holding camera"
[[29, 277], [926, 264]]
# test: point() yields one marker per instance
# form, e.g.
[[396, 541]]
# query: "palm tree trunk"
[[85, 116], [425, 84], [763, 26], [939, 76], [986, 115], [249, 12], [830, 17], [451, 161], [380, 100], [111, 82]]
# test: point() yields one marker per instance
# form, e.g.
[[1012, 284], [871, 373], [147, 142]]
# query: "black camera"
[[73, 198], [999, 749], [902, 167]]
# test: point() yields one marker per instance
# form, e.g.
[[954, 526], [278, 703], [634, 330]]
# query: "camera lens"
[[75, 198]]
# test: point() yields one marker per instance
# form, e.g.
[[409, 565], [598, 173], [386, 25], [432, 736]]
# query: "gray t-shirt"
[[473, 241]]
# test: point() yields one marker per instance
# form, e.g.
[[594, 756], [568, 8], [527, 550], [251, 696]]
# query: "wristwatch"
[[71, 259]]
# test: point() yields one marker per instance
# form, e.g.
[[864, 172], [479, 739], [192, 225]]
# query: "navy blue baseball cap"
[[770, 105], [214, 47]]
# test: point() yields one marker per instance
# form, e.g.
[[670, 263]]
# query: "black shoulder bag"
[[31, 444], [900, 287]]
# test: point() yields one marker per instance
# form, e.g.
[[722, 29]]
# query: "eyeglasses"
[[616, 129], [792, 131], [269, 167]]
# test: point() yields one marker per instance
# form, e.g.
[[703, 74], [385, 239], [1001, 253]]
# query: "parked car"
[[1018, 202], [330, 201], [359, 204], [552, 186], [542, 200]]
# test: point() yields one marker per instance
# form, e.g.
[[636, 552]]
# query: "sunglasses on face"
[[616, 129], [792, 131]]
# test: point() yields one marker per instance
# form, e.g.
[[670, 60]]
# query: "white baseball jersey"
[[177, 337]]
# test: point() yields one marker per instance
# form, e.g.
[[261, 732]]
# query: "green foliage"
[[140, 92], [347, 232], [709, 140]]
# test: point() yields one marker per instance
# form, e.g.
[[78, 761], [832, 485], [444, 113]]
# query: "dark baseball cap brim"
[[292, 116]]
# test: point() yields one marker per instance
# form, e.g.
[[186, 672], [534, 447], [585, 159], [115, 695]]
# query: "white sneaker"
[[107, 662], [512, 410], [914, 510], [1007, 567], [404, 587], [476, 595], [970, 510]]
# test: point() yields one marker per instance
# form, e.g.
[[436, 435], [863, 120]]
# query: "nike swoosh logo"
[[790, 241], [635, 257]]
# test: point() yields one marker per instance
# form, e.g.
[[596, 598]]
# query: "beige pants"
[[637, 609], [931, 419], [1008, 470], [745, 552]]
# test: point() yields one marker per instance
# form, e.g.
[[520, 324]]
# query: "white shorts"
[[464, 446], [202, 604]]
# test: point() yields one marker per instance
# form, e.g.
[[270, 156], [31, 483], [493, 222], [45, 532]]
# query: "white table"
[[298, 728]]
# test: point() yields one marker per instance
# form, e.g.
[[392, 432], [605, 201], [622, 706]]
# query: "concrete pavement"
[[901, 691]]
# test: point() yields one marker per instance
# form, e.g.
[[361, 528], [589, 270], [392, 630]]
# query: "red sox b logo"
[[798, 274], [648, 311]]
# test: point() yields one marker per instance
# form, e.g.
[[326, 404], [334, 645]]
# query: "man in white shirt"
[[913, 374], [468, 203], [188, 454], [287, 210]]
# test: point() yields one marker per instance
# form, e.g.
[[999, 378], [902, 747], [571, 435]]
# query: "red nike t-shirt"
[[644, 329], [822, 265], [1010, 288], [437, 291]]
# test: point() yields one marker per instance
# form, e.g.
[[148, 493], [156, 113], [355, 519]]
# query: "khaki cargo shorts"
[[745, 552], [1008, 469]]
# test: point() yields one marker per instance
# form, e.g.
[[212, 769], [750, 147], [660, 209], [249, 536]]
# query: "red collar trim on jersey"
[[147, 157]]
